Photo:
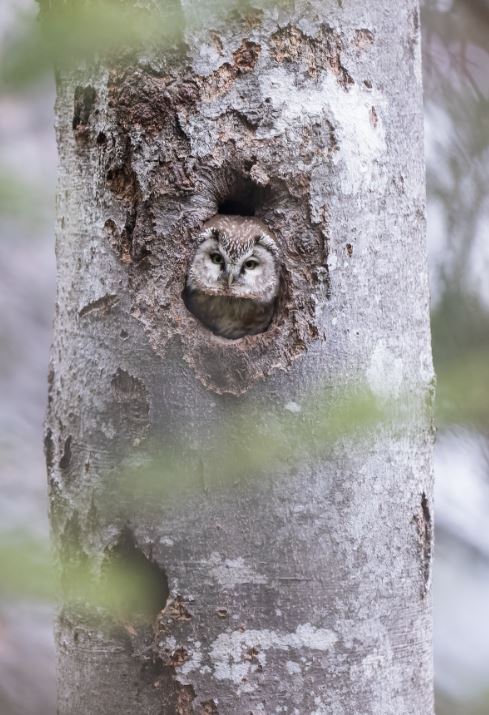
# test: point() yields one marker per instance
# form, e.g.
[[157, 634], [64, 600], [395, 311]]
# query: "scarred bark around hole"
[[306, 591]]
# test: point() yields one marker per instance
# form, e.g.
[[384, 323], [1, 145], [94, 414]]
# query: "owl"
[[233, 280]]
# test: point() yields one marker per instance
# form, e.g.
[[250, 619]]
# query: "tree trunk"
[[306, 590]]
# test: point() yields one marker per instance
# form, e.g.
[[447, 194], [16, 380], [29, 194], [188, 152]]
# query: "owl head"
[[238, 257]]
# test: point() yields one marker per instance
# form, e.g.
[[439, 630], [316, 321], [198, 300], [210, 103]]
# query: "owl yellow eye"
[[217, 259], [250, 264]]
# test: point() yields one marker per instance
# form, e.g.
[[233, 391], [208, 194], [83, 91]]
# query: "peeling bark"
[[308, 591]]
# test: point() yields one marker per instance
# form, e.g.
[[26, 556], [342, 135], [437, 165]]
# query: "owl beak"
[[233, 275]]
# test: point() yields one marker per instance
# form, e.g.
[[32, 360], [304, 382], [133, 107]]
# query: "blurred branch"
[[479, 8]]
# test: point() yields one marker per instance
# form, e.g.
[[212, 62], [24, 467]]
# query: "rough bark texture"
[[306, 592]]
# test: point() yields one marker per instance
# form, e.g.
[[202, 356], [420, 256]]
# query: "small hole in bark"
[[136, 585], [65, 460], [101, 138], [83, 101], [49, 449], [424, 527]]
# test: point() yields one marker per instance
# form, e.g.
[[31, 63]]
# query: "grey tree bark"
[[306, 591]]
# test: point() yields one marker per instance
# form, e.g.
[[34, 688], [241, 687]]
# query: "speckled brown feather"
[[247, 306]]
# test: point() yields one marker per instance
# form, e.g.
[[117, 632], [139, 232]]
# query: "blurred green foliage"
[[68, 33], [446, 705], [125, 585], [286, 440], [78, 32], [26, 565]]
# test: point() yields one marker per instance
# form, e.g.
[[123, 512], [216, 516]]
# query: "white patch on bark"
[[360, 144], [330, 709], [166, 541], [293, 668], [228, 652], [230, 572], [370, 666], [293, 407], [170, 643], [385, 372], [108, 429]]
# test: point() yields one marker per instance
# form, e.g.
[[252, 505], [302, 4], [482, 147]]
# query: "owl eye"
[[250, 264], [217, 259]]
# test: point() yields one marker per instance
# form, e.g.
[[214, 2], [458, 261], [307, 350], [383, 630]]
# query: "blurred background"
[[456, 78]]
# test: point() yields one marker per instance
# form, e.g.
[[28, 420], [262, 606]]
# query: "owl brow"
[[268, 243], [233, 248], [208, 233]]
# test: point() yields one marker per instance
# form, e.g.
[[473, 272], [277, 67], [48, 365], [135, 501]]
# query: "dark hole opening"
[[65, 460], [84, 101], [136, 586], [235, 207], [241, 197]]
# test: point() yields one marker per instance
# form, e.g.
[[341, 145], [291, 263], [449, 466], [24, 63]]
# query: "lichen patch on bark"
[[236, 654], [364, 38], [316, 53], [209, 707]]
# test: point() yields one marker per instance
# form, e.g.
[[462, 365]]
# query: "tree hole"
[[136, 587], [235, 207], [239, 196]]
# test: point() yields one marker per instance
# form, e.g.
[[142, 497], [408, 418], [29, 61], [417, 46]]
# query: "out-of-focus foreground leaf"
[[78, 32], [123, 587], [25, 564], [68, 33]]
